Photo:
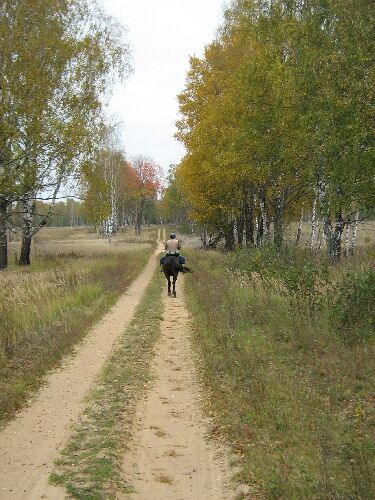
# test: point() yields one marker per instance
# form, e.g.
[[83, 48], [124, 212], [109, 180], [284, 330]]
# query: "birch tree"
[[279, 110], [59, 59]]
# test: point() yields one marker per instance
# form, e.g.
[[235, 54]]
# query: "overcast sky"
[[162, 35]]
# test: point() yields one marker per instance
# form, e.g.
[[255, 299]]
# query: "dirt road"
[[30, 443], [171, 457]]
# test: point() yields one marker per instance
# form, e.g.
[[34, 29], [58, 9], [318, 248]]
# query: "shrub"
[[353, 311], [304, 276]]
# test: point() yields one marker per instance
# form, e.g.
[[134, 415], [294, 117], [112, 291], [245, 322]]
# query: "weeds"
[[353, 311], [293, 398]]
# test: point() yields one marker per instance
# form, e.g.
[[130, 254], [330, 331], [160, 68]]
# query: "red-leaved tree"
[[143, 181]]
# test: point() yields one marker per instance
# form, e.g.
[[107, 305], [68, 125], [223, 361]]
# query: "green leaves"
[[283, 99], [58, 61]]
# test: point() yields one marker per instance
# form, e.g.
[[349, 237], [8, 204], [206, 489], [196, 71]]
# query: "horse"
[[171, 268]]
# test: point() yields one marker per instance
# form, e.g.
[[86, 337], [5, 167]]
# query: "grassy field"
[[47, 307], [285, 344]]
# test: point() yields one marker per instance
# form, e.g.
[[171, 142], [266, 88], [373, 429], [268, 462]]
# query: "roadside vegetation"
[[47, 307], [90, 464], [285, 342]]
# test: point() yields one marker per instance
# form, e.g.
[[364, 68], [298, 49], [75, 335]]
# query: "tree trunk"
[[138, 224], [240, 228], [347, 237], [321, 237], [263, 219], [333, 237], [299, 230], [139, 217], [27, 232], [203, 235], [263, 212], [12, 240], [339, 228], [229, 237], [314, 223], [354, 234], [3, 234], [25, 251], [278, 231], [260, 231], [249, 217], [327, 232]]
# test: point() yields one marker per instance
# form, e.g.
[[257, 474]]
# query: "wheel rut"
[[171, 456], [30, 443]]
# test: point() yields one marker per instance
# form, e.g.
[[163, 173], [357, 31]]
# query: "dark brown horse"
[[171, 268]]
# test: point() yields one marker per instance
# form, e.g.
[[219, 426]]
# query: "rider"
[[173, 247]]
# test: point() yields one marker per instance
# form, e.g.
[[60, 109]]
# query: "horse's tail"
[[187, 270]]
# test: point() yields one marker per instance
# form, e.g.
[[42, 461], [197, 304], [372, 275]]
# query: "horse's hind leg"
[[169, 286], [174, 287]]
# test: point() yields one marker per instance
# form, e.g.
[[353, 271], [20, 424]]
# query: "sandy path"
[[30, 443], [170, 456]]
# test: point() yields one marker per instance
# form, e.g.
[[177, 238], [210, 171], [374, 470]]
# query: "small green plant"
[[353, 310]]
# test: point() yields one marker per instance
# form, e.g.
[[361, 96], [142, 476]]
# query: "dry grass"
[[86, 248], [294, 400], [47, 307], [53, 243]]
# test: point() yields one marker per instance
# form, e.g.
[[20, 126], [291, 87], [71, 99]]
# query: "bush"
[[353, 311], [304, 276]]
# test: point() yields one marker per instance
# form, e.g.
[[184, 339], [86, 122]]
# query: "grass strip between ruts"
[[90, 464]]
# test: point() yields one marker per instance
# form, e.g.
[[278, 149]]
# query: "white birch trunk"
[[256, 220], [314, 223], [264, 217], [321, 237], [12, 240], [299, 229], [354, 234], [347, 236]]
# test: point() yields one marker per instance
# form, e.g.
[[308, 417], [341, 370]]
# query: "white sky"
[[162, 35]]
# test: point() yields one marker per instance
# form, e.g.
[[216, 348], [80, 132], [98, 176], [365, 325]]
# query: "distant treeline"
[[65, 213], [70, 213], [73, 213]]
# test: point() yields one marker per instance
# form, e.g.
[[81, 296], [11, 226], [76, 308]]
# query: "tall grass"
[[46, 308], [293, 396]]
